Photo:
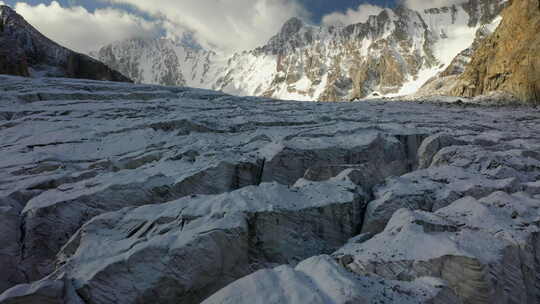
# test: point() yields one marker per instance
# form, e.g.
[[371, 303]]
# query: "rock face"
[[444, 82], [335, 63], [394, 52], [123, 193], [26, 52], [509, 59], [12, 58]]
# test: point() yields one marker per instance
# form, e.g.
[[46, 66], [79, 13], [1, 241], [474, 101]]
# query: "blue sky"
[[320, 8], [222, 25]]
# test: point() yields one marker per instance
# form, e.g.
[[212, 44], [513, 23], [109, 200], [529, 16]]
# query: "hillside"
[[26, 52]]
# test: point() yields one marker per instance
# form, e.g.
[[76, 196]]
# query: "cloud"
[[352, 16], [425, 4], [224, 24], [81, 30]]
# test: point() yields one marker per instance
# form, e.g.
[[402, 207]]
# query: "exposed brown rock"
[[509, 60], [391, 71], [443, 83]]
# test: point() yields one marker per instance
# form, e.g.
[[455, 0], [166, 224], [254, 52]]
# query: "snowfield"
[[122, 193]]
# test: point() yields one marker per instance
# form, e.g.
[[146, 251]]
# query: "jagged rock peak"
[[10, 18], [291, 27], [6, 11]]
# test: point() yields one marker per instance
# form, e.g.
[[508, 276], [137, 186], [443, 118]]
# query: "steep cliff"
[[445, 81], [508, 60]]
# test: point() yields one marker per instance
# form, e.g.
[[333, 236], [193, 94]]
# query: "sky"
[[221, 25]]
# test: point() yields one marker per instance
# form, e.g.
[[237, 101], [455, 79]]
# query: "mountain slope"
[[159, 61], [392, 53], [333, 63], [27, 52], [443, 83]]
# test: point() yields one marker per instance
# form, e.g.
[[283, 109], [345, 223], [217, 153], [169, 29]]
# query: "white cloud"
[[2, 3], [225, 24], [425, 4], [81, 30], [352, 16]]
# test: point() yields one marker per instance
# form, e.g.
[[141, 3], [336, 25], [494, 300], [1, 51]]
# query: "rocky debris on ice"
[[517, 162], [382, 156], [93, 176], [432, 145]]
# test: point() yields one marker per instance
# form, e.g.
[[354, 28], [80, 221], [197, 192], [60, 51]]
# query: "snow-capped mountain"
[[159, 61], [393, 53]]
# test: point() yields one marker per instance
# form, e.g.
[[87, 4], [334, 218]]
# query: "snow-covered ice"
[[113, 192]]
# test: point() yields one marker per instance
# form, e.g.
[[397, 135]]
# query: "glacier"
[[130, 193]]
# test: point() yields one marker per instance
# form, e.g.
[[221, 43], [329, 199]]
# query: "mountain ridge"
[[383, 55], [27, 52], [158, 61], [392, 53]]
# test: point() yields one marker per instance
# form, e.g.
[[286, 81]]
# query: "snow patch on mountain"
[[160, 61]]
